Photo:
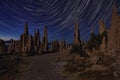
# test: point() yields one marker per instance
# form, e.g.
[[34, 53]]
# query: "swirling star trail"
[[58, 15]]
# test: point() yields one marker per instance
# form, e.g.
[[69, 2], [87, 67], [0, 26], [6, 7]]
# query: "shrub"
[[76, 49]]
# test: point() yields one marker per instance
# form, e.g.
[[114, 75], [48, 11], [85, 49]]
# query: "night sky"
[[58, 15]]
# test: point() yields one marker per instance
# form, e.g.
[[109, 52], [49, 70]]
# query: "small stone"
[[115, 74]]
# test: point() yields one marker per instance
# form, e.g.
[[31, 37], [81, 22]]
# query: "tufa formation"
[[77, 34], [114, 32], [27, 42]]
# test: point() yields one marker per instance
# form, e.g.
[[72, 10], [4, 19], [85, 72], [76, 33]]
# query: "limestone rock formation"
[[77, 34], [24, 38], [26, 29], [114, 32], [11, 47], [36, 40], [14, 46], [103, 35], [28, 42], [62, 45], [103, 46], [2, 46], [29, 45], [102, 27], [44, 45], [55, 45], [17, 46]]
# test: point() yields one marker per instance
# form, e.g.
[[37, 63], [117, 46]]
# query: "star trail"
[[58, 15]]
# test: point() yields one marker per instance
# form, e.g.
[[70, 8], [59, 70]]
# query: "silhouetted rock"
[[29, 45], [36, 40], [114, 32], [28, 42], [103, 46], [44, 46], [103, 36], [77, 34], [102, 27], [55, 45], [2, 46], [26, 30], [24, 38], [62, 45], [11, 47]]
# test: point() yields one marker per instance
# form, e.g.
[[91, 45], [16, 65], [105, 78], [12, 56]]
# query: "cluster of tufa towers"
[[29, 43], [110, 38], [114, 32], [111, 41], [33, 43]]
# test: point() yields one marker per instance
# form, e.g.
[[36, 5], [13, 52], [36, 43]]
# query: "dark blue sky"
[[58, 15]]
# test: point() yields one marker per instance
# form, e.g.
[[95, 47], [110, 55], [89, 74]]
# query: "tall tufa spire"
[[114, 31], [26, 28], [38, 37], [45, 39], [102, 27], [38, 34], [77, 34], [45, 32]]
